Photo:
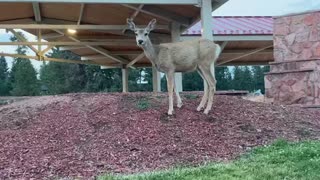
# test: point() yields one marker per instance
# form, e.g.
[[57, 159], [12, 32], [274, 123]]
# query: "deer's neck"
[[151, 52]]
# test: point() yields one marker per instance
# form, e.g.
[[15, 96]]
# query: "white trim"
[[70, 26], [190, 2], [234, 38]]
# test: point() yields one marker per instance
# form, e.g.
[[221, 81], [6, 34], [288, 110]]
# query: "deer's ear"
[[152, 24], [131, 24]]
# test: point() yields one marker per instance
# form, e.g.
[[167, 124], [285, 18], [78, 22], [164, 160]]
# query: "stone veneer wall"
[[294, 77]]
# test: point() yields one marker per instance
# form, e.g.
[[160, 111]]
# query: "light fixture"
[[72, 31]]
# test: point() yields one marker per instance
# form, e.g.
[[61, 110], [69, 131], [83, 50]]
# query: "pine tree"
[[23, 76], [4, 89], [63, 77], [192, 82], [223, 77]]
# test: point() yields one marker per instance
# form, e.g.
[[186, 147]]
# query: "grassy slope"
[[282, 160]]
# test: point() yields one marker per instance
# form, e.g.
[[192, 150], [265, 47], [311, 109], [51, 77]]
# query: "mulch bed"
[[84, 135]]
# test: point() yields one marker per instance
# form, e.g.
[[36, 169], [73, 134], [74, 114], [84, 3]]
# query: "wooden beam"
[[71, 61], [134, 15], [51, 36], [173, 2], [36, 11], [99, 50], [244, 55], [22, 40], [63, 43], [45, 50], [268, 37], [80, 13], [161, 13], [19, 56], [69, 26], [92, 57], [70, 48], [138, 58]]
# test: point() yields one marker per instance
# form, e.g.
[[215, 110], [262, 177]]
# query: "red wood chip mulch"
[[84, 135]]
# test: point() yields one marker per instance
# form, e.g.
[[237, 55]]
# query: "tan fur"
[[184, 56]]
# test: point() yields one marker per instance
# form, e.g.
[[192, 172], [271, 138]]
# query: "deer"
[[194, 55]]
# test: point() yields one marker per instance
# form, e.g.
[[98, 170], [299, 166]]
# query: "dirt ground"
[[84, 135]]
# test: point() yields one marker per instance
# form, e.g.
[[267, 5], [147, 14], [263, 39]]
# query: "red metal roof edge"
[[242, 16]]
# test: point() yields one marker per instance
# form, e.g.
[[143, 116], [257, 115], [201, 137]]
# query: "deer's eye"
[[146, 34], [136, 34]]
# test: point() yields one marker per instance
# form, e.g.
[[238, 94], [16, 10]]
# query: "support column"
[[125, 74], [156, 80], [175, 37], [206, 19]]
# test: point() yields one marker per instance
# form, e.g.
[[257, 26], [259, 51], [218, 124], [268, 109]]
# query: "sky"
[[231, 8]]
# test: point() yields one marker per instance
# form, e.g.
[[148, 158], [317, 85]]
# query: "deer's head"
[[142, 34]]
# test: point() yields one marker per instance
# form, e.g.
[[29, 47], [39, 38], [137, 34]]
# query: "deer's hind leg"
[[206, 92], [208, 73]]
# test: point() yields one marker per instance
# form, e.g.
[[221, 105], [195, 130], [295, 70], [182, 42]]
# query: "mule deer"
[[184, 56]]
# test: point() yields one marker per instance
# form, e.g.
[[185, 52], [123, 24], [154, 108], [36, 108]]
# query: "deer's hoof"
[[206, 111], [179, 105], [170, 113], [199, 109]]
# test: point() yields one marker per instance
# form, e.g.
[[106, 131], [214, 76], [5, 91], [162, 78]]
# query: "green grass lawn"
[[281, 160]]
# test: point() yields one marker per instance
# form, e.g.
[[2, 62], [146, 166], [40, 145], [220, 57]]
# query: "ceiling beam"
[[36, 11], [181, 2], [80, 13], [69, 26], [161, 13], [138, 58], [63, 43], [22, 40], [51, 36], [99, 50], [92, 57], [134, 15], [70, 48], [244, 55], [234, 37]]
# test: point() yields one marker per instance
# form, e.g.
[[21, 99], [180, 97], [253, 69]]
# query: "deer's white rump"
[[184, 56]]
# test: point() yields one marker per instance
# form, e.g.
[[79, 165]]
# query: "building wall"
[[295, 74]]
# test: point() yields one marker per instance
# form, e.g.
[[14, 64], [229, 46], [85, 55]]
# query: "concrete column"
[[156, 80], [206, 19], [175, 36], [125, 76]]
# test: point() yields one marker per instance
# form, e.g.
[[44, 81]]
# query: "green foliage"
[[224, 78], [191, 96], [4, 76], [143, 103], [281, 160], [140, 79], [192, 82], [23, 77]]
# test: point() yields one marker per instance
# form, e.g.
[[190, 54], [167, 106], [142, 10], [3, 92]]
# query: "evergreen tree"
[[140, 79], [63, 77], [258, 76], [23, 76], [4, 89], [223, 77], [192, 81]]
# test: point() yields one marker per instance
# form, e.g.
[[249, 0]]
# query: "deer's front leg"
[[179, 101], [170, 84]]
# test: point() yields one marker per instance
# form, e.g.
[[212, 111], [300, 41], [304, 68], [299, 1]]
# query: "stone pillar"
[[294, 77], [125, 76]]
